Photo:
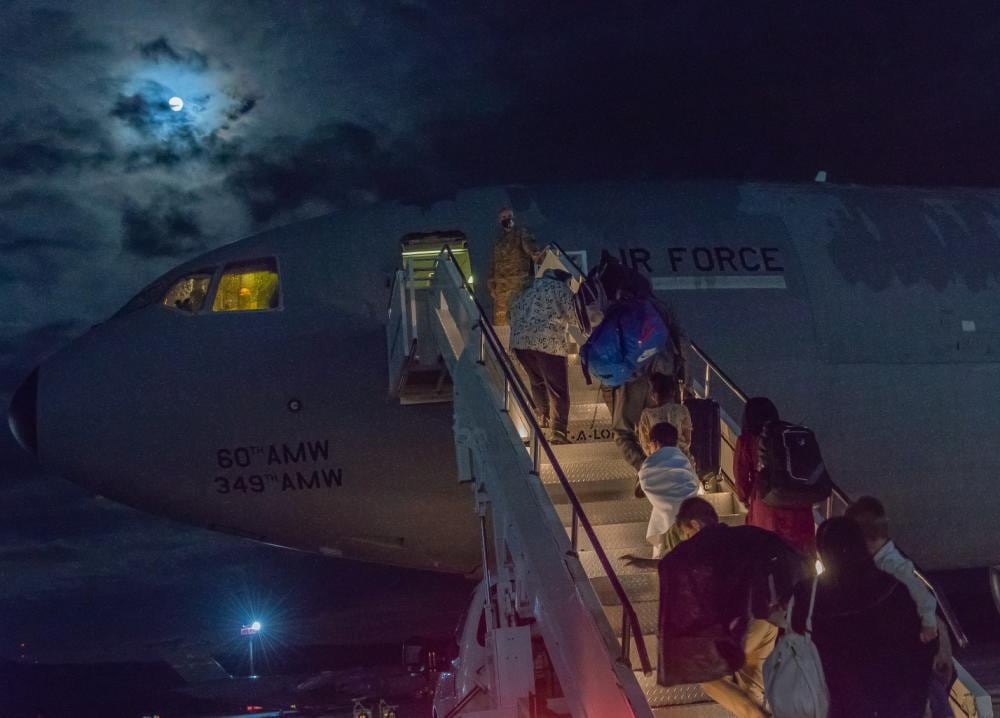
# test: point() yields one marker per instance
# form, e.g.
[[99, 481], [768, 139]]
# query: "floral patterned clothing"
[[540, 315]]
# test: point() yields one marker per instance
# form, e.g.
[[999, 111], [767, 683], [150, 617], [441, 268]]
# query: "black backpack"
[[621, 281], [607, 283], [792, 473]]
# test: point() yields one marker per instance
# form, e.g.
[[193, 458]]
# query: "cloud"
[[29, 261], [160, 50], [137, 111], [241, 106], [200, 133], [43, 233], [165, 227], [48, 35], [19, 351], [36, 340], [46, 141], [34, 198], [13, 241], [147, 110], [339, 163]]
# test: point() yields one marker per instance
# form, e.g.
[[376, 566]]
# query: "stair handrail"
[[565, 255], [711, 367], [710, 364], [396, 333], [946, 610], [631, 622]]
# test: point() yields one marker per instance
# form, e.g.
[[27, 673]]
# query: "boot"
[[559, 438]]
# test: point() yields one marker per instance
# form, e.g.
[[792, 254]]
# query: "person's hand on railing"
[[647, 564], [943, 665], [928, 633]]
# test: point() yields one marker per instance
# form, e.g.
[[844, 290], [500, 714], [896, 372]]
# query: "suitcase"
[[706, 435]]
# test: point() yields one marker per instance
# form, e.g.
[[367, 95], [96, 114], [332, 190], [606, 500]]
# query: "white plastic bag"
[[794, 682]]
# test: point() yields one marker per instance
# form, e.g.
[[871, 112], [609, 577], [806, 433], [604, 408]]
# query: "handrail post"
[[574, 534], [626, 637], [708, 377], [493, 613], [535, 457], [506, 394], [482, 343]]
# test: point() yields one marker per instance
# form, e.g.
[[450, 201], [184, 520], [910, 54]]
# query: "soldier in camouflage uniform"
[[512, 268]]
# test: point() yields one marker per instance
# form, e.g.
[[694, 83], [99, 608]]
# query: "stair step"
[[588, 432], [425, 396], [618, 511], [573, 456], [630, 537], [604, 483], [597, 472], [596, 489], [631, 510], [692, 710], [725, 503], [613, 537], [640, 584], [646, 611], [588, 410], [589, 421], [637, 587], [659, 696], [592, 563]]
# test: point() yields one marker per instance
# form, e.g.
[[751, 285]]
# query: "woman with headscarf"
[[866, 629], [795, 525]]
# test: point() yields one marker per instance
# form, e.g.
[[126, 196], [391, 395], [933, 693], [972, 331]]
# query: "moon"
[[176, 104]]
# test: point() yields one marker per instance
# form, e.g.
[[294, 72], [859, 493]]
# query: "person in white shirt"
[[869, 513], [667, 479]]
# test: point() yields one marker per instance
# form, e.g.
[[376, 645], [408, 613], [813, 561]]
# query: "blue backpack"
[[631, 334]]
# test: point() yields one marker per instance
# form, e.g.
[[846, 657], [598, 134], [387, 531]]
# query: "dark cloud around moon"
[[164, 227], [160, 50], [50, 35], [47, 141]]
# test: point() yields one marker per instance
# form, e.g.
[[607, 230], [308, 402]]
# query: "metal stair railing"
[[731, 403], [398, 344], [971, 698], [838, 500], [513, 388]]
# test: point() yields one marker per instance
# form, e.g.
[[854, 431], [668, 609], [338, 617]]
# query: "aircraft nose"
[[23, 414]]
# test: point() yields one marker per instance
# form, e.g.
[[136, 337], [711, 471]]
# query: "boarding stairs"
[[604, 483], [557, 519]]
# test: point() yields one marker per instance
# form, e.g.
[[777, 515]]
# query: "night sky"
[[294, 109]]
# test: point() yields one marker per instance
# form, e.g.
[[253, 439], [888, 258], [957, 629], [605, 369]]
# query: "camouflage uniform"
[[511, 269]]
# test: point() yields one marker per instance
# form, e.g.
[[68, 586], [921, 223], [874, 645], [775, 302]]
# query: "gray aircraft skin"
[[868, 314]]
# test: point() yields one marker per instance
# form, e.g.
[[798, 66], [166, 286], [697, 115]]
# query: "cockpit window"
[[248, 286], [188, 293]]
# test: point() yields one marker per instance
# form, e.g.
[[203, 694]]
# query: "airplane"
[[246, 390]]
